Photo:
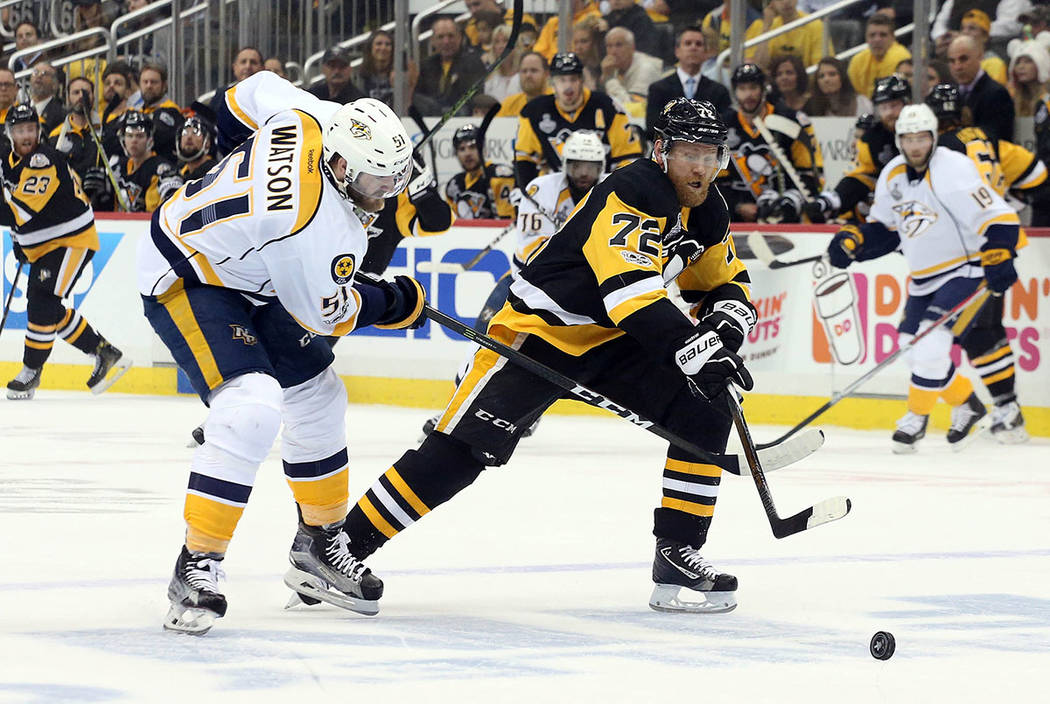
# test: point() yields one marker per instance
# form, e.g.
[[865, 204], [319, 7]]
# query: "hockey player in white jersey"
[[244, 273], [932, 204]]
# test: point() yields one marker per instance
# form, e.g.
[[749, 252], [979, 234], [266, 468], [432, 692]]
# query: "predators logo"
[[360, 129], [242, 334], [343, 268], [915, 217]]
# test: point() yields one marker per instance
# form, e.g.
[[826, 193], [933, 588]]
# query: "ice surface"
[[532, 585]]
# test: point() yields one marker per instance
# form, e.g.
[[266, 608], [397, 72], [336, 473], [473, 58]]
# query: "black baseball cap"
[[336, 53]]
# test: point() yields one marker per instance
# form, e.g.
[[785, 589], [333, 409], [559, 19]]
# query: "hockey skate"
[[194, 593], [107, 357], [678, 567], [910, 430], [1008, 424], [968, 421], [23, 386], [324, 569]]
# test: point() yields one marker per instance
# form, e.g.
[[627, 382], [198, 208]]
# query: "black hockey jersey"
[[78, 146], [483, 195], [48, 208], [875, 149], [148, 184], [543, 128], [167, 121], [400, 218], [189, 174]]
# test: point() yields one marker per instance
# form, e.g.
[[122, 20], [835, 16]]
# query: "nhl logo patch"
[[359, 129], [343, 268], [166, 119]]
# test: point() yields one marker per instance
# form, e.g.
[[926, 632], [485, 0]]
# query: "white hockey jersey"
[[265, 220], [941, 218], [535, 224]]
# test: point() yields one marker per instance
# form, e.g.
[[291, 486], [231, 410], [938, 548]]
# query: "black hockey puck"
[[882, 645]]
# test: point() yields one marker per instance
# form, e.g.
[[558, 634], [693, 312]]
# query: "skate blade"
[[902, 448], [119, 369], [978, 429], [666, 598], [20, 395], [1014, 436], [308, 587], [192, 621]]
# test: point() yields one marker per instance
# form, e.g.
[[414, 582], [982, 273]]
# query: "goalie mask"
[[375, 145]]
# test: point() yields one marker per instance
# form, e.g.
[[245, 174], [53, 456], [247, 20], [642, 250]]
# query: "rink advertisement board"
[[818, 330]]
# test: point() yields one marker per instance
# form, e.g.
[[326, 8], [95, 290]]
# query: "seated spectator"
[[806, 42], [936, 72], [528, 35], [831, 93], [532, 75], [481, 103], [587, 43], [686, 81], [626, 73], [479, 8], [485, 24], [27, 35], [1034, 20], [633, 17], [879, 59], [43, 92], [375, 77], [8, 93], [73, 137], [337, 86], [275, 65], [976, 25], [248, 61], [789, 81], [989, 103], [1006, 20], [165, 113], [547, 44], [1029, 72], [447, 73], [717, 20], [504, 81], [713, 69]]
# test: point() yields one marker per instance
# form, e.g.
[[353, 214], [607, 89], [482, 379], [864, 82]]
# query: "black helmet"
[[23, 112], [866, 122], [945, 102], [467, 134], [892, 87], [696, 121], [197, 125], [748, 73], [136, 119], [566, 64]]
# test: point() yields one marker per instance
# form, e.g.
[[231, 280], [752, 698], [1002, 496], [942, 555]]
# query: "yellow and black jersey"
[[756, 162], [543, 128], [167, 121], [1003, 165], [192, 174], [874, 150], [600, 275], [110, 127], [718, 273], [77, 145], [147, 184], [48, 208], [483, 194], [401, 218]]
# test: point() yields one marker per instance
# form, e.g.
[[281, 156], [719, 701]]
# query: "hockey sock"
[[77, 331], [956, 391], [320, 488], [690, 489], [922, 395], [40, 339], [419, 482], [997, 372]]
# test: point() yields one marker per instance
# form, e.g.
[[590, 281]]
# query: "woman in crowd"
[[588, 43], [375, 78], [1028, 74], [832, 93], [789, 80], [504, 80]]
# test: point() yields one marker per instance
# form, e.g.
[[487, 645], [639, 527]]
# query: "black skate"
[[968, 421], [429, 425], [678, 566], [194, 593], [324, 569], [1008, 424], [107, 357], [910, 430], [23, 386]]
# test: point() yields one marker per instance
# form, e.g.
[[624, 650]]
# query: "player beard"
[[690, 195]]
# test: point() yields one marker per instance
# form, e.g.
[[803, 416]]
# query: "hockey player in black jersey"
[[547, 121], [195, 148], [592, 304], [757, 186], [144, 177], [482, 189], [53, 229]]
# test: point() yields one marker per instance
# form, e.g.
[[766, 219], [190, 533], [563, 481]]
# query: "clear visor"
[[585, 171], [376, 186], [706, 155]]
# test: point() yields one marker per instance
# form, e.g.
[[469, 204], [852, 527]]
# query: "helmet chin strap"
[[340, 187]]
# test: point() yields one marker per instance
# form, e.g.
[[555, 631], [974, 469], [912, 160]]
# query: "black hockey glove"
[[20, 255], [680, 250], [822, 209], [767, 206], [845, 246], [95, 181], [709, 364], [405, 301], [790, 206], [733, 320], [999, 272]]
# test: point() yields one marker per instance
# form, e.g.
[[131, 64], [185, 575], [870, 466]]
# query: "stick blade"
[[440, 267], [760, 248], [792, 450], [825, 512]]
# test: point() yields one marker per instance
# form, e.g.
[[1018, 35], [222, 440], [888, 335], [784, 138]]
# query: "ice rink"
[[532, 585]]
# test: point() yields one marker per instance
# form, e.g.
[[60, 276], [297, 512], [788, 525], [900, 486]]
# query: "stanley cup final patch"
[[343, 268]]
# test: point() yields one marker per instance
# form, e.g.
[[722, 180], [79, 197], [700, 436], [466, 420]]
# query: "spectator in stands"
[[789, 81], [717, 20], [155, 44], [547, 44], [8, 94], [976, 25], [989, 103], [165, 113], [587, 43], [485, 24], [375, 77], [532, 75], [936, 72], [337, 86], [43, 92], [1005, 18], [447, 73], [275, 65], [93, 13], [832, 95], [248, 61], [116, 88], [627, 73], [1034, 21], [481, 103], [27, 35], [880, 58], [483, 8], [528, 35], [686, 81], [633, 17], [73, 137], [504, 81], [806, 42], [1029, 73]]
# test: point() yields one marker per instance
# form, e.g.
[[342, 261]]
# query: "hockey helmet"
[[566, 64], [135, 120], [195, 124], [915, 118], [583, 146], [23, 112], [892, 87], [945, 102], [748, 73], [695, 121], [375, 145], [866, 122], [467, 134]]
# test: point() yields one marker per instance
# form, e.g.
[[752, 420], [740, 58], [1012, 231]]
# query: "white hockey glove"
[[681, 251], [825, 207], [515, 197], [790, 205], [709, 364], [767, 205], [423, 181], [733, 321]]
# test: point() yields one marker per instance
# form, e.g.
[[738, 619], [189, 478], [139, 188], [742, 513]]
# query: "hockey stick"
[[417, 117], [760, 125], [512, 40], [459, 268], [977, 299], [10, 296], [122, 199], [764, 253], [818, 514], [551, 218]]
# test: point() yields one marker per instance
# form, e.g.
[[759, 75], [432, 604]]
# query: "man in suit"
[[43, 91], [446, 74], [686, 81], [989, 102]]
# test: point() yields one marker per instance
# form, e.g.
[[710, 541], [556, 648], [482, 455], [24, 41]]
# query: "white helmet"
[[375, 145], [915, 118], [583, 146]]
